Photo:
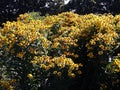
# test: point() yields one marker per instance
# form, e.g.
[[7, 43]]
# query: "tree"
[[93, 6], [10, 9]]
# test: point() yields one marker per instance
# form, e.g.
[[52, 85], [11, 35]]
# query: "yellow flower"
[[21, 54], [118, 54], [10, 88], [33, 61], [45, 44], [90, 55], [70, 74], [101, 46], [32, 50], [117, 63], [43, 66], [30, 76], [107, 48], [89, 48], [81, 65], [92, 42], [54, 45], [55, 72], [100, 52], [59, 73], [51, 65]]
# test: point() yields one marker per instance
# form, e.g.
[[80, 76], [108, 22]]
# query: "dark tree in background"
[[93, 6], [10, 9]]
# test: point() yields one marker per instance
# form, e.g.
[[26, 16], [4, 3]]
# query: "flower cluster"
[[114, 66], [117, 63], [99, 33], [7, 84], [113, 72], [57, 65]]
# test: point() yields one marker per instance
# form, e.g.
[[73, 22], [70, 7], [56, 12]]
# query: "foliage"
[[46, 52]]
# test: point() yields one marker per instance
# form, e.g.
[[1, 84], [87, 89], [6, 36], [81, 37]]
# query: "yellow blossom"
[[90, 55], [81, 65], [101, 46], [54, 45], [107, 48], [59, 73], [33, 62], [21, 54], [92, 42], [55, 72], [30, 76], [70, 74], [100, 52], [118, 54], [32, 50]]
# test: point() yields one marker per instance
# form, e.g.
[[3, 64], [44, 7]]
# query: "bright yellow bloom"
[[30, 76], [117, 63]]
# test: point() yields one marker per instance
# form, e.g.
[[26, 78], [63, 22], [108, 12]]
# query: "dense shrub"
[[46, 52]]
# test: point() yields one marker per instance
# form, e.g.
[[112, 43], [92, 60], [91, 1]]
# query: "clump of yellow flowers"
[[117, 63], [113, 71], [114, 66], [52, 45], [7, 84], [99, 33], [58, 65]]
